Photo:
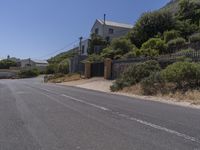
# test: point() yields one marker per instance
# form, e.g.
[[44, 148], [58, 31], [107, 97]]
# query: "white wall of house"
[[84, 47], [28, 63], [110, 30]]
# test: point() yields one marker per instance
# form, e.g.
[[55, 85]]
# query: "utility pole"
[[104, 24], [80, 44]]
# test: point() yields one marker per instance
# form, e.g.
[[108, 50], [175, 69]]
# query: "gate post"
[[87, 70], [107, 68]]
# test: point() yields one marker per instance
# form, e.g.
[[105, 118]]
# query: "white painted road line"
[[187, 137], [84, 102]]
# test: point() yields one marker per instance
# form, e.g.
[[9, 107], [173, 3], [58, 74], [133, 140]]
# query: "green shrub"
[[171, 35], [176, 42], [123, 45], [63, 67], [195, 38], [135, 73], [96, 40], [6, 64], [151, 24], [183, 74], [153, 84], [28, 73], [94, 57], [52, 68], [118, 48], [149, 52], [156, 44], [108, 53]]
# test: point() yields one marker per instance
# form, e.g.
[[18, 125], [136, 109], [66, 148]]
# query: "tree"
[[97, 44], [186, 28], [189, 10], [151, 24], [6, 64], [118, 48]]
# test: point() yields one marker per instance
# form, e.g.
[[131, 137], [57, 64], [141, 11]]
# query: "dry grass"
[[136, 90], [192, 97], [65, 78]]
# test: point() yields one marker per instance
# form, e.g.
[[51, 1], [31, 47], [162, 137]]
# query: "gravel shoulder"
[[102, 85]]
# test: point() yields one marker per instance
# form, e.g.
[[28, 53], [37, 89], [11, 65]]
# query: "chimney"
[[104, 19]]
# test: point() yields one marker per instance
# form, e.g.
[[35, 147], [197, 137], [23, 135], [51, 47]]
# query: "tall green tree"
[[151, 24], [189, 10]]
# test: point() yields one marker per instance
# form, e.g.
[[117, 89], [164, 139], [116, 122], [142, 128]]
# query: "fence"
[[118, 66], [76, 65]]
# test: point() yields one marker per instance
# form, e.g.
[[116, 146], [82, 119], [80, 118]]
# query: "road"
[[37, 116]]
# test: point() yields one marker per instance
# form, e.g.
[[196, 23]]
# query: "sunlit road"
[[37, 116]]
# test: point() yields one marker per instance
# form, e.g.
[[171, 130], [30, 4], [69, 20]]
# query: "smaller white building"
[[29, 63], [84, 47]]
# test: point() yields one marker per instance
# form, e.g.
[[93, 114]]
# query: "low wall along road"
[[7, 74]]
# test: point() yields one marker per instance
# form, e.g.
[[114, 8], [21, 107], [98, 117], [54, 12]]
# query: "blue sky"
[[38, 28]]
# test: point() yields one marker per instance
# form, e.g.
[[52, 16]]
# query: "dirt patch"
[[63, 78], [98, 84]]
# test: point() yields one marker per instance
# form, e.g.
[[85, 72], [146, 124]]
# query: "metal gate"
[[97, 69]]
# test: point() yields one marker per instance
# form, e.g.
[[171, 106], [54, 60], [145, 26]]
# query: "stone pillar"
[[87, 70], [107, 68]]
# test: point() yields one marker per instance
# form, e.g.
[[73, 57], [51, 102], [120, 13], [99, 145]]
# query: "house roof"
[[40, 61], [116, 24], [35, 61]]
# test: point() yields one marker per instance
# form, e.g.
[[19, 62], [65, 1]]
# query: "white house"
[[29, 63], [108, 30]]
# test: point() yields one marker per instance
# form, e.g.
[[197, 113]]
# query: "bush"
[[195, 38], [94, 57], [153, 84], [108, 53], [176, 42], [6, 64], [156, 44], [96, 41], [183, 74], [52, 68], [63, 67], [171, 35], [123, 45], [135, 73], [28, 73], [149, 52], [151, 24], [118, 48]]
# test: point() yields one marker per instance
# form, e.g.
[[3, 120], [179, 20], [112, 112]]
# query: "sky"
[[40, 29]]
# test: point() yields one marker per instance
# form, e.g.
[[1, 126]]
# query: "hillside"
[[172, 6], [60, 57]]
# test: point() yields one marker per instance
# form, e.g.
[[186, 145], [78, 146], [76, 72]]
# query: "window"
[[108, 39], [96, 31], [110, 31], [83, 49]]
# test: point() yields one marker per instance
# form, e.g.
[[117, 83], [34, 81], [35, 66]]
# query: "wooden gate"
[[97, 69]]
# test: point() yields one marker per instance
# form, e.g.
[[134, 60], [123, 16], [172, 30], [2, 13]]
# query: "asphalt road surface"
[[37, 116]]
